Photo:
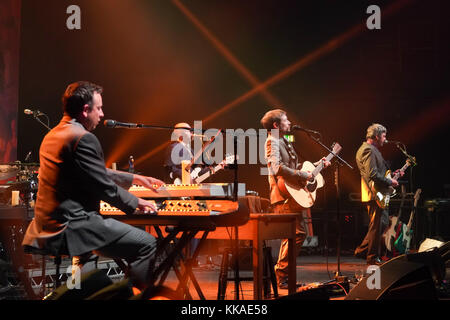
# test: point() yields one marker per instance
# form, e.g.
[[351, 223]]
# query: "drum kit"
[[19, 176]]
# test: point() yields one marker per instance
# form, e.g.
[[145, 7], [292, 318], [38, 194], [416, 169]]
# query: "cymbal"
[[8, 171]]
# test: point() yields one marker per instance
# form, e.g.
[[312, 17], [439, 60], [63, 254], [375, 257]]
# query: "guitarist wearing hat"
[[179, 150], [282, 162], [373, 170]]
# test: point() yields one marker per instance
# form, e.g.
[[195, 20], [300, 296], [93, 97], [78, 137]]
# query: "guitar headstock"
[[417, 196], [411, 161], [336, 148]]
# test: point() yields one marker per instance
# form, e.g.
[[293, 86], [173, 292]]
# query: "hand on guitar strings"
[[394, 183], [400, 172], [325, 162]]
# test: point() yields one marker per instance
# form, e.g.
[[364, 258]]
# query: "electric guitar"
[[403, 242], [305, 195], [229, 159], [383, 196]]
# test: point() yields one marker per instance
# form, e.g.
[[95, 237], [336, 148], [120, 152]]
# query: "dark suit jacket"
[[282, 160], [175, 153], [72, 181], [372, 167]]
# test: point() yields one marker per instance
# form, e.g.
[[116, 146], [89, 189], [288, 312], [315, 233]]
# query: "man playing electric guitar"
[[178, 151], [373, 170], [282, 163]]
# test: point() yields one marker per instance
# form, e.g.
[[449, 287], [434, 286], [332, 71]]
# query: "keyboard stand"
[[169, 261]]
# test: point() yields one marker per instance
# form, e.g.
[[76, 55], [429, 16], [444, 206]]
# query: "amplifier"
[[437, 218]]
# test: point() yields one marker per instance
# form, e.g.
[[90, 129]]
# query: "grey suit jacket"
[[72, 181], [175, 153], [282, 160]]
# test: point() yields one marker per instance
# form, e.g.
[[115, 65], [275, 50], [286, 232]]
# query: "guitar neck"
[[416, 200], [206, 175], [400, 171]]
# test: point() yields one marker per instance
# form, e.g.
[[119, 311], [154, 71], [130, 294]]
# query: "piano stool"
[[57, 259]]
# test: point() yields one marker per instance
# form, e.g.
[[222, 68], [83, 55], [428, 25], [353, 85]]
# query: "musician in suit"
[[282, 162], [72, 181], [373, 167], [180, 150]]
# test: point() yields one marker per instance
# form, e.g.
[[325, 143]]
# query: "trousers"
[[372, 244], [136, 247], [281, 267]]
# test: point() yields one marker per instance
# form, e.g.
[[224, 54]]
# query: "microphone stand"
[[236, 228], [340, 162], [39, 120], [411, 184], [413, 163]]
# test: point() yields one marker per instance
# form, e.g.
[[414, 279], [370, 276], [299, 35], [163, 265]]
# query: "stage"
[[313, 272]]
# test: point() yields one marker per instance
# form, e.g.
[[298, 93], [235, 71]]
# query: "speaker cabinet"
[[90, 283], [400, 279]]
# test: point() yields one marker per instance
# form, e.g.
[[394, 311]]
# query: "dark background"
[[157, 67]]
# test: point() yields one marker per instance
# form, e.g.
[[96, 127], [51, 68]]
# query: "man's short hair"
[[375, 130], [271, 117], [77, 95]]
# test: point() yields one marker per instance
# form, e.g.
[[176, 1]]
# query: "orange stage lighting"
[[225, 52], [430, 119], [327, 48]]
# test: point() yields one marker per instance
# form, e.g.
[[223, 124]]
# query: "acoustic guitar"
[[305, 195]]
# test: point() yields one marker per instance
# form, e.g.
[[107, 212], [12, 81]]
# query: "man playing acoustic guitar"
[[373, 170], [282, 162]]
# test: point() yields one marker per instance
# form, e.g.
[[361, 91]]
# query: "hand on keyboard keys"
[[146, 207]]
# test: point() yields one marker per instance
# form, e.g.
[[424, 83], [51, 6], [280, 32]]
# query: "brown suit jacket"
[[282, 160], [372, 168]]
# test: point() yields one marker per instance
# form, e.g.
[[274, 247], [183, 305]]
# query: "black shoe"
[[376, 261]]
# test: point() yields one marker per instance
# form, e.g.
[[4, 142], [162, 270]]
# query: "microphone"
[[392, 142], [28, 157], [35, 113], [297, 127], [117, 124]]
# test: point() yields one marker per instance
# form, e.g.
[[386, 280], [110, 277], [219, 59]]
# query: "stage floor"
[[310, 270]]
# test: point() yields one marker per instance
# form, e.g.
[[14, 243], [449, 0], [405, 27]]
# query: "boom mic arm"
[[117, 124], [297, 127]]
